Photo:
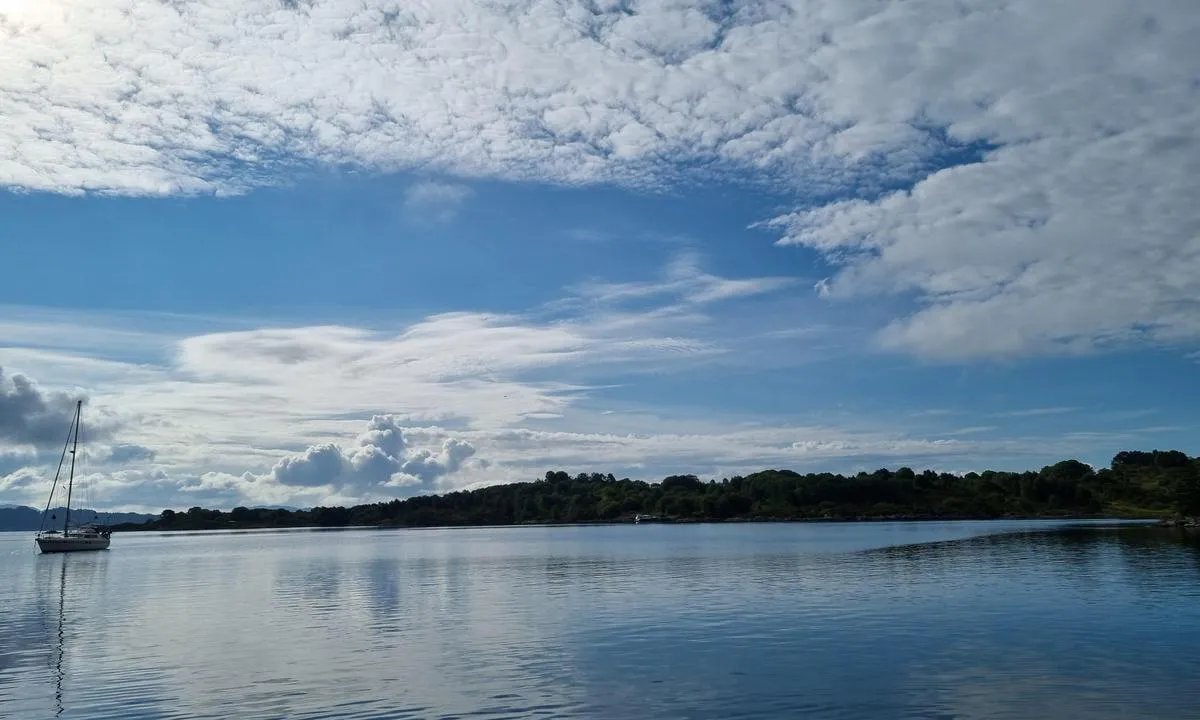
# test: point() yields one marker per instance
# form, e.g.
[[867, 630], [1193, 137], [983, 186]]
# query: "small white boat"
[[70, 539]]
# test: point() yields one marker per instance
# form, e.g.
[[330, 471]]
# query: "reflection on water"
[[920, 620], [60, 646]]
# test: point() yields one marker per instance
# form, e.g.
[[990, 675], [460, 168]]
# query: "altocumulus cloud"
[[1030, 201]]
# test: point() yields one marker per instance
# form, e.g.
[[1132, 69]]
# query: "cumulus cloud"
[[319, 465], [380, 458], [30, 415]]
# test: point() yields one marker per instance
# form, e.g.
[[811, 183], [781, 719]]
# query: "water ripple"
[[931, 621]]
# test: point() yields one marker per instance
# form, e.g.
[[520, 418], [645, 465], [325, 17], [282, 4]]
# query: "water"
[[896, 620]]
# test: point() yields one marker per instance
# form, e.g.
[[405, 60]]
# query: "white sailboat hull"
[[72, 543]]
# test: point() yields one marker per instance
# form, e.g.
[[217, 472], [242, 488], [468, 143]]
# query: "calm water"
[[946, 620]]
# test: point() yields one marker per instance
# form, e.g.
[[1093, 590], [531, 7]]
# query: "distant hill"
[[23, 518]]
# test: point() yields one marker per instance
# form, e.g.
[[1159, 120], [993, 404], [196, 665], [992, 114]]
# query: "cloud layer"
[[318, 415], [309, 415], [1074, 229], [1020, 170], [160, 98], [274, 415], [165, 97], [1005, 178]]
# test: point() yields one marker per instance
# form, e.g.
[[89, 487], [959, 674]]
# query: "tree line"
[[1136, 484]]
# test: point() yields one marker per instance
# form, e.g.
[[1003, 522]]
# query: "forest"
[[1136, 484]]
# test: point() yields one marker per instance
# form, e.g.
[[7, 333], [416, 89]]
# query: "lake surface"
[[874, 620]]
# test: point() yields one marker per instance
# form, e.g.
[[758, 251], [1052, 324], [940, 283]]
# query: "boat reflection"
[[60, 645]]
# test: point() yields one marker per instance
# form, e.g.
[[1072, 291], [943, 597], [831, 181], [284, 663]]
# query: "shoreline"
[[917, 518], [1155, 486]]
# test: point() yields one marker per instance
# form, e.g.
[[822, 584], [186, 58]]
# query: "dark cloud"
[[130, 453], [30, 415]]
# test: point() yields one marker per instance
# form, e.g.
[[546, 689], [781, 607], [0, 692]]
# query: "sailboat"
[[71, 539]]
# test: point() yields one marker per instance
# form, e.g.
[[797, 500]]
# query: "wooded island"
[[1136, 484]]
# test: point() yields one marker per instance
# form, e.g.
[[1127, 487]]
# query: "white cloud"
[[1072, 227], [303, 439], [209, 415], [1077, 230], [225, 445], [685, 281], [220, 95], [1036, 412], [478, 369], [972, 430], [378, 463], [379, 459], [276, 414], [437, 201], [935, 412], [713, 449], [18, 483]]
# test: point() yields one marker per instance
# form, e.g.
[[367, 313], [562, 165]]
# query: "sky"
[[304, 252]]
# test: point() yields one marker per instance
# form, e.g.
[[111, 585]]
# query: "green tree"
[[1161, 481]]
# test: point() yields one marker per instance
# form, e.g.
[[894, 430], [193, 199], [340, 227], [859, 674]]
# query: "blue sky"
[[347, 254], [356, 247]]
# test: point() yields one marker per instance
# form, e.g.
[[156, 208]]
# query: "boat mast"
[[57, 475], [71, 477]]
